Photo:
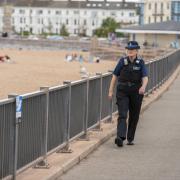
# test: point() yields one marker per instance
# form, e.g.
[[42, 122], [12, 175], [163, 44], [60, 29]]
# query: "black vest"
[[131, 71]]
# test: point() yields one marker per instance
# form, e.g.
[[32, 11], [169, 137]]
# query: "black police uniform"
[[128, 98]]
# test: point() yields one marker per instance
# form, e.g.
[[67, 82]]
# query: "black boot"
[[119, 142], [130, 143]]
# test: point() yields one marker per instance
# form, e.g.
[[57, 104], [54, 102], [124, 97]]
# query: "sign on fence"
[[18, 107]]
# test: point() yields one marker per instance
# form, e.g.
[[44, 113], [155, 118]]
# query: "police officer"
[[132, 79]]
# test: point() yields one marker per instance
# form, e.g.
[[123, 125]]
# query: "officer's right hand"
[[110, 95]]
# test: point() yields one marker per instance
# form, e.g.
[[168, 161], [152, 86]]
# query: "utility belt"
[[129, 84]]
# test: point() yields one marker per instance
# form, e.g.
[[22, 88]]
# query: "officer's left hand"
[[141, 90]]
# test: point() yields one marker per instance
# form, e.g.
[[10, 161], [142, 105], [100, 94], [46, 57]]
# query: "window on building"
[[21, 20], [67, 22], [155, 7], [161, 18], [131, 14], [85, 22], [167, 5], [75, 22], [113, 13], [31, 30], [40, 12], [100, 5], [93, 23], [149, 6], [21, 11], [58, 12], [162, 5], [85, 12], [88, 5], [49, 12], [76, 12], [149, 20], [67, 12], [94, 13], [94, 5], [107, 4], [122, 14], [167, 18]]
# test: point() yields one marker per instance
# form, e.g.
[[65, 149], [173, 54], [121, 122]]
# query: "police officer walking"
[[132, 79]]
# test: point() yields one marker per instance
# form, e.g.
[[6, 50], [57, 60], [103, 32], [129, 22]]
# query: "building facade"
[[1, 18], [84, 17], [140, 11], [157, 11], [175, 10]]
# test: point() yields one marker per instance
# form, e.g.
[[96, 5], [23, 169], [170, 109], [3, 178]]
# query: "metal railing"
[[52, 117]]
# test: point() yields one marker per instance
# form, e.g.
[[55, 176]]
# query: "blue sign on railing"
[[18, 106]]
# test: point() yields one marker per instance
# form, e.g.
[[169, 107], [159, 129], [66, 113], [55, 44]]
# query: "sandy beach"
[[31, 69]]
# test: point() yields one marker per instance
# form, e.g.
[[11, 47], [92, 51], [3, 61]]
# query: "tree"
[[63, 31], [109, 25]]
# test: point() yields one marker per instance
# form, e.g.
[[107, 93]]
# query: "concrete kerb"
[[82, 149]]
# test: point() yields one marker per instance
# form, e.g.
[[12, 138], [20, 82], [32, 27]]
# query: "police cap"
[[132, 45]]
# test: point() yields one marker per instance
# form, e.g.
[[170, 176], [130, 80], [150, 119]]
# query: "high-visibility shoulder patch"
[[125, 61], [137, 61]]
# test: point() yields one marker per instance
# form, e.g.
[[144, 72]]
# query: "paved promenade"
[[155, 155]]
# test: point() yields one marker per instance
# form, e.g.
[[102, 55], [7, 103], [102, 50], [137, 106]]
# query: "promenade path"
[[155, 155]]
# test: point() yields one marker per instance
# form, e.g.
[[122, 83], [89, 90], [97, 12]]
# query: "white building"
[[1, 18], [157, 11], [78, 16]]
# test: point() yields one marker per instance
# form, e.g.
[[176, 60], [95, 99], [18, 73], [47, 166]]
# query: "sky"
[[120, 0]]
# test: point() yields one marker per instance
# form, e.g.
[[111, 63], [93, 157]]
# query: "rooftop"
[[167, 27], [73, 4]]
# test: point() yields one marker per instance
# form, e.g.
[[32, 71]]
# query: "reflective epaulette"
[[138, 60], [125, 61]]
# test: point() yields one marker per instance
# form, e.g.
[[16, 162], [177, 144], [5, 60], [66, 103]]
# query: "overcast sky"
[[126, 0], [107, 0]]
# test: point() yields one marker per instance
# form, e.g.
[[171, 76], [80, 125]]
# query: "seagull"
[[83, 72]]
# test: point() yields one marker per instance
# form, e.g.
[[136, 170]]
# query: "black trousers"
[[128, 100]]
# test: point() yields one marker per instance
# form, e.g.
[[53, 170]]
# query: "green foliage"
[[63, 31], [119, 34], [26, 33], [101, 32], [45, 34], [109, 25]]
